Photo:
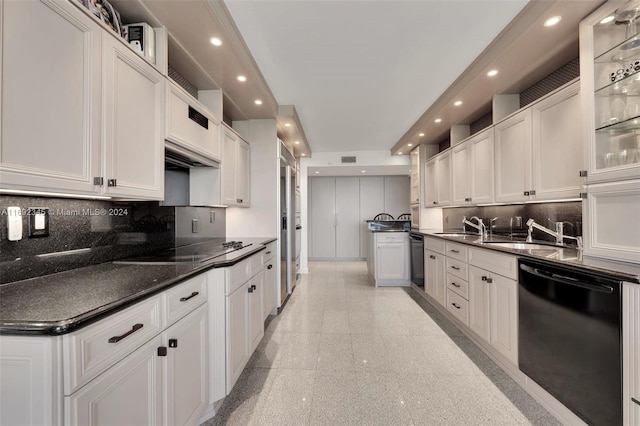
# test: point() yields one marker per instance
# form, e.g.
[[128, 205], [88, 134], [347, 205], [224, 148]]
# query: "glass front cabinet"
[[610, 86]]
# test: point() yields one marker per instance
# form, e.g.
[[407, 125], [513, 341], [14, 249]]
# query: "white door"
[[256, 316], [460, 174], [237, 333], [243, 170], [430, 184], [479, 307], [114, 397], [504, 317], [396, 195], [513, 157], [482, 170], [390, 259], [228, 168], [134, 124], [322, 212], [371, 203], [443, 170], [51, 96], [558, 145], [347, 217], [187, 378]]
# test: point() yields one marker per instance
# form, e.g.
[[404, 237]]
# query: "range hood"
[[183, 158]]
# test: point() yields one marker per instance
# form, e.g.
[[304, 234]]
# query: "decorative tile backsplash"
[[88, 232], [510, 220]]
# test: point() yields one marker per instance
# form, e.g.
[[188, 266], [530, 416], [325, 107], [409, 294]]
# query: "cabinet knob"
[[532, 192], [162, 351], [435, 203], [431, 256], [270, 266], [250, 289], [487, 279], [253, 286], [526, 193], [112, 182], [173, 343], [98, 180]]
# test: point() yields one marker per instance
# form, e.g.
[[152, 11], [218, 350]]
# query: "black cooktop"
[[192, 253]]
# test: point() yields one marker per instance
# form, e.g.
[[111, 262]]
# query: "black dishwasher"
[[417, 258], [569, 338]]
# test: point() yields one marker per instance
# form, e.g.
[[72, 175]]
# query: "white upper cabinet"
[[430, 183], [610, 96], [191, 126], [538, 150], [415, 176], [513, 157], [81, 112], [235, 169], [461, 175], [558, 147], [472, 170], [134, 124], [443, 170], [51, 97]]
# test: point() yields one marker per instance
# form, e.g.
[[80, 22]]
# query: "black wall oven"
[[569, 338]]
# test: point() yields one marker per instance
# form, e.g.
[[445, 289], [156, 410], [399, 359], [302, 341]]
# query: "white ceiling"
[[361, 72]]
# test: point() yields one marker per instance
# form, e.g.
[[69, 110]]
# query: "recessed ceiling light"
[[421, 134], [399, 153], [607, 19], [287, 124], [438, 120], [215, 41], [552, 21], [303, 154], [257, 102], [457, 103], [492, 73], [363, 171], [314, 172], [297, 142], [409, 144], [242, 78]]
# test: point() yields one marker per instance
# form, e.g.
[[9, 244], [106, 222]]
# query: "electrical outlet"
[[194, 226], [38, 220]]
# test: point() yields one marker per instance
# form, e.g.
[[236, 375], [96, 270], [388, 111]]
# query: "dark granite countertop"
[[566, 257], [63, 302]]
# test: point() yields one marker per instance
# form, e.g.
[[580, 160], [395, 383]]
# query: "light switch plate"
[[38, 219], [14, 223]]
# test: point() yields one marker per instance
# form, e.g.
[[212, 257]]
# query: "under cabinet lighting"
[[438, 120], [215, 41], [492, 73], [242, 78], [257, 102], [53, 194], [607, 19], [552, 21], [421, 134], [457, 103]]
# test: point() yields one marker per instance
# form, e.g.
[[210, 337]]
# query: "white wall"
[[333, 159]]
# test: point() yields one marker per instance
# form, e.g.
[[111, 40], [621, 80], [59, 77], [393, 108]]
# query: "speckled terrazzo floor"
[[346, 353]]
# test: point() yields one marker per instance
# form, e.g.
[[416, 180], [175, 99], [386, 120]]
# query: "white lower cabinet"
[[237, 333], [479, 304], [631, 354], [434, 276], [504, 316], [270, 280], [391, 258]]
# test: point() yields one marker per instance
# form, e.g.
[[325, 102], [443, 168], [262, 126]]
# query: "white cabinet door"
[[322, 215], [461, 173], [134, 124], [434, 276], [504, 316], [51, 96], [114, 397], [371, 203], [513, 157], [256, 317], [430, 184], [482, 170], [237, 333], [479, 304], [269, 289], [187, 381], [228, 167], [558, 145], [611, 213], [396, 195], [415, 176], [631, 353], [347, 229], [390, 259], [443, 170], [243, 169]]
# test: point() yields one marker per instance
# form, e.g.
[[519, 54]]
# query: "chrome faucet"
[[482, 230], [558, 233]]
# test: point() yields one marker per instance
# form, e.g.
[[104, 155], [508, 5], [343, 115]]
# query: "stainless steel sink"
[[523, 246], [457, 234]]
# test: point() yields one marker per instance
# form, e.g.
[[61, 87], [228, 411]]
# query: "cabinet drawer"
[[499, 263], [91, 350], [185, 297], [434, 244], [458, 285], [391, 237], [457, 268], [269, 253], [458, 306], [237, 275], [456, 251]]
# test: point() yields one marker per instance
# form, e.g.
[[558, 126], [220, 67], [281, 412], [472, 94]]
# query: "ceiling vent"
[[346, 160]]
